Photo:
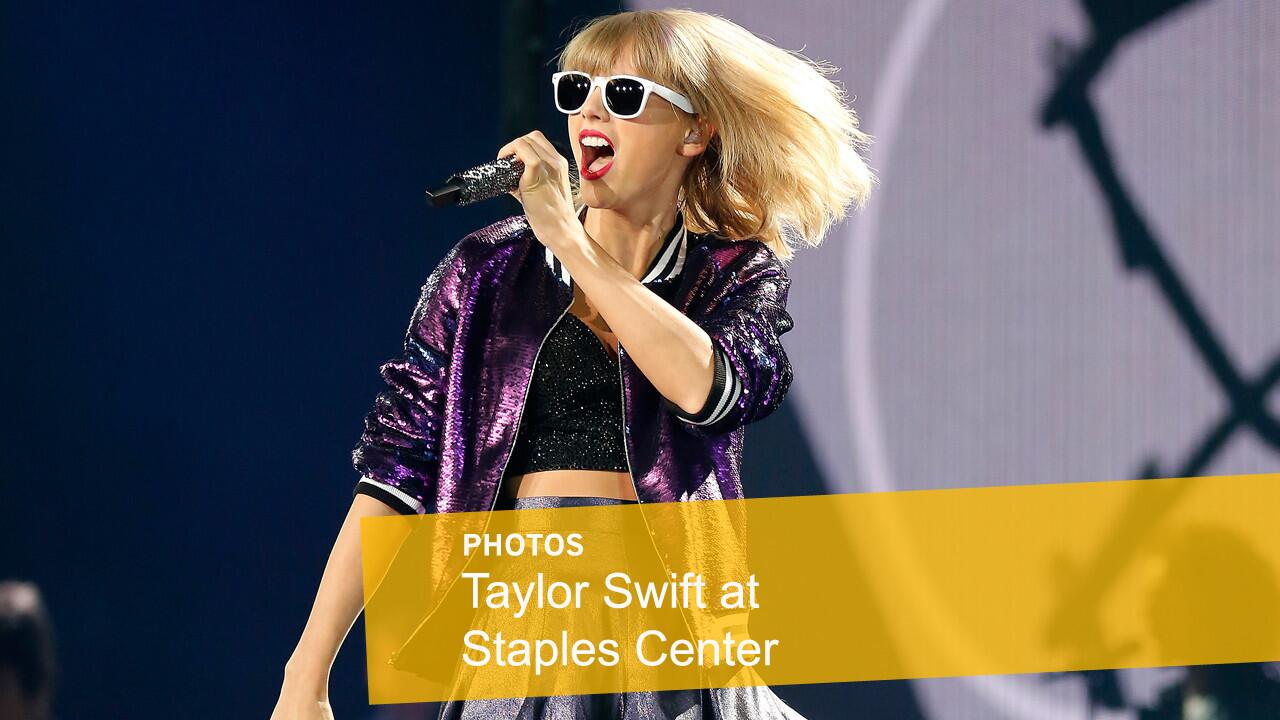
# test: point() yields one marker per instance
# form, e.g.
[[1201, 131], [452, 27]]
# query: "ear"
[[697, 139]]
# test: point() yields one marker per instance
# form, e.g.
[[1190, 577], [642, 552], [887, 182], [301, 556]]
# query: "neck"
[[631, 236]]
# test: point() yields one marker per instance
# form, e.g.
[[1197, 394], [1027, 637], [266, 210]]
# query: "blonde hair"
[[783, 164]]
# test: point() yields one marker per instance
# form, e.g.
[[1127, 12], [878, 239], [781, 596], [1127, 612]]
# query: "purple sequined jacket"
[[439, 436]]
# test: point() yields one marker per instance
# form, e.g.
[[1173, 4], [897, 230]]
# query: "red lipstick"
[[597, 154]]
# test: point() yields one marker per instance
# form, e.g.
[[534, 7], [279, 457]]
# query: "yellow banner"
[[838, 588]]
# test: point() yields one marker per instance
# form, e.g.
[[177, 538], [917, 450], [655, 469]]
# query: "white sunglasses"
[[624, 95]]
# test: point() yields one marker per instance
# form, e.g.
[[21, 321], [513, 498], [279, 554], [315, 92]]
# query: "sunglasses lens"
[[572, 91], [624, 96]]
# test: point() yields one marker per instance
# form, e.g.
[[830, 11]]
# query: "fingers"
[[542, 162], [535, 149], [519, 148], [548, 151], [554, 167], [512, 148]]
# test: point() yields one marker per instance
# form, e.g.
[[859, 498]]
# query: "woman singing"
[[609, 346]]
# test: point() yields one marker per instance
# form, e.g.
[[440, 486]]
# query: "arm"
[[724, 370], [670, 349], [717, 374], [398, 460], [675, 354], [305, 692]]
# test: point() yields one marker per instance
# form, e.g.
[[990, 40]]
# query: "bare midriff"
[[572, 483]]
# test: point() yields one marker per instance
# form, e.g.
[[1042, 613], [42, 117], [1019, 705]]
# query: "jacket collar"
[[666, 264]]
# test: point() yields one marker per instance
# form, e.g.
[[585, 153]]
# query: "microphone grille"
[[502, 176]]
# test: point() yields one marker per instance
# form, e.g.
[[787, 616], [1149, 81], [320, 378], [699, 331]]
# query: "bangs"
[[612, 40]]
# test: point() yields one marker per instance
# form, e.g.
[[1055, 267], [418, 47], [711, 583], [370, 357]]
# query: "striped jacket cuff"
[[726, 387], [394, 497]]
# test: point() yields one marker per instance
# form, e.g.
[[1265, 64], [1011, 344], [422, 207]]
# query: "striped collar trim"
[[666, 265]]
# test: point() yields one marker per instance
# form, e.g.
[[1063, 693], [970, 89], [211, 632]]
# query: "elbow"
[[707, 405], [691, 404], [695, 396]]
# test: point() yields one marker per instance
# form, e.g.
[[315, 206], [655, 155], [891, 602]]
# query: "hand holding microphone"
[[493, 178], [533, 171]]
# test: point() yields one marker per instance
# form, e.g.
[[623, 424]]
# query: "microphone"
[[491, 179]]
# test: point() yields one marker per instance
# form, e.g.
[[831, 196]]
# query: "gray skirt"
[[748, 703]]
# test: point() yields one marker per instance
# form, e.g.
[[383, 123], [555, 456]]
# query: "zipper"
[[622, 389], [622, 382]]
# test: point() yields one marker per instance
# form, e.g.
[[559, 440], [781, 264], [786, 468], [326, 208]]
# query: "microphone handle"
[[487, 180]]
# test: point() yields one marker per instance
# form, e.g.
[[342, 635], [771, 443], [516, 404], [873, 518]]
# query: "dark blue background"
[[214, 234]]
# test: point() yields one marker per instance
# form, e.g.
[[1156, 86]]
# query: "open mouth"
[[597, 154]]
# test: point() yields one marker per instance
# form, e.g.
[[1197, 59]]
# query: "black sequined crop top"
[[573, 416]]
